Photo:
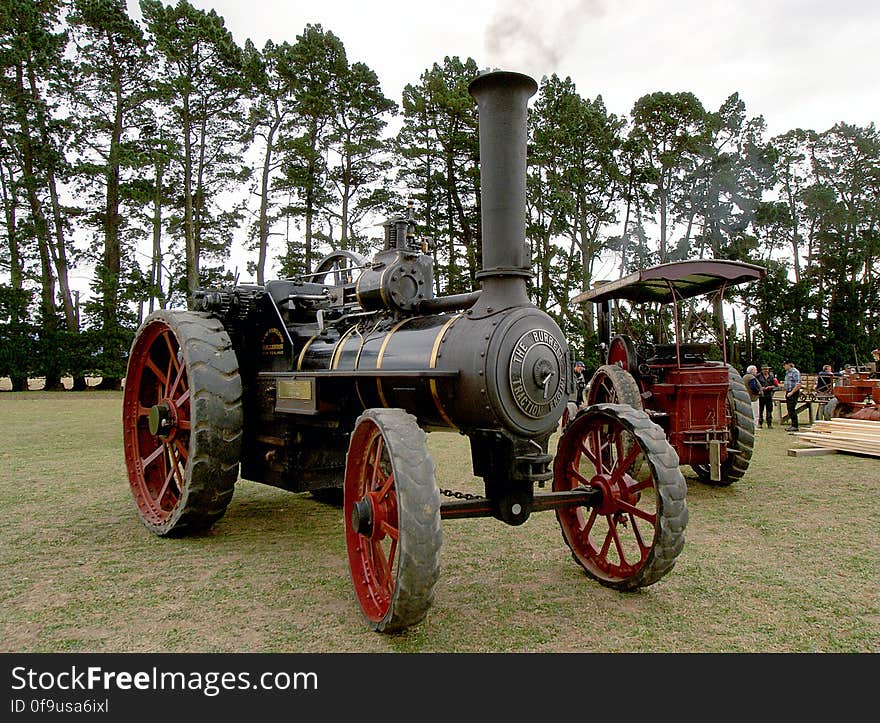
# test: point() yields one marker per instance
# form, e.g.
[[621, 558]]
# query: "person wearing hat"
[[580, 380], [769, 383]]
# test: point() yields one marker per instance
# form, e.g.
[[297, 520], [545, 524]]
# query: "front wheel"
[[569, 413], [392, 519], [632, 538]]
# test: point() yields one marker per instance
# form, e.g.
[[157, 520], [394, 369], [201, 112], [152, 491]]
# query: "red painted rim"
[[617, 353], [373, 557], [156, 463], [602, 389], [612, 540]]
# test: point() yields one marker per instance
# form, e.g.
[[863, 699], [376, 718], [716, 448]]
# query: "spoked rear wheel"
[[741, 435], [633, 537], [392, 519], [181, 421]]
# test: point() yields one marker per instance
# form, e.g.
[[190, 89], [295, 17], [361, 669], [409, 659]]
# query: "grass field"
[[784, 560]]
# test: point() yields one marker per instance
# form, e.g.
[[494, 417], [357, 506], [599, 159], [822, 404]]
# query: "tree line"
[[137, 149]]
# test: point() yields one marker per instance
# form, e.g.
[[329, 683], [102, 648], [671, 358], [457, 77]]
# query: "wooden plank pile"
[[858, 436]]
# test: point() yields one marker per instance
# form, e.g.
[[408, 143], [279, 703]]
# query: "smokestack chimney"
[[502, 99]]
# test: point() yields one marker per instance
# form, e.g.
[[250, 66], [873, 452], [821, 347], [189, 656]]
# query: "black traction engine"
[[328, 382]]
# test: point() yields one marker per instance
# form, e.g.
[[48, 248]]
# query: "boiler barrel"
[[508, 370]]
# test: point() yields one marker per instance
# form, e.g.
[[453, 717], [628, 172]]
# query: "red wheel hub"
[[618, 491], [374, 514]]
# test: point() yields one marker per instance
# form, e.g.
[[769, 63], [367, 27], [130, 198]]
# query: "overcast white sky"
[[799, 63]]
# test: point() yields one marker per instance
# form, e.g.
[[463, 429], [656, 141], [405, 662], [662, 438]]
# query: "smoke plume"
[[535, 36]]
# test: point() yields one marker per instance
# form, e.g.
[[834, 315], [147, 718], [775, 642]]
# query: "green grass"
[[784, 560]]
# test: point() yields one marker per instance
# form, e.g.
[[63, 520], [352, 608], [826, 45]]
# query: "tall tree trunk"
[[156, 264], [16, 267], [48, 311], [192, 256], [624, 236], [264, 204], [112, 251], [59, 251]]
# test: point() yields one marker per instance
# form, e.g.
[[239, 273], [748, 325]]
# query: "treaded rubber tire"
[[569, 413], [625, 387], [670, 487], [626, 391], [742, 434], [418, 514], [211, 469]]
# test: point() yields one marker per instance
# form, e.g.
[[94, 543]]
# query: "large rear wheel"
[[181, 421], [392, 519], [633, 536], [741, 435]]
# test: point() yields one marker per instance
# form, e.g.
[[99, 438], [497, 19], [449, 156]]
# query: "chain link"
[[459, 495]]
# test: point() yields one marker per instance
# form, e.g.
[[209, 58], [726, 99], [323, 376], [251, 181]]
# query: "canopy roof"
[[688, 278]]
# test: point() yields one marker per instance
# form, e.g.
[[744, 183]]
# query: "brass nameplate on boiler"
[[300, 389]]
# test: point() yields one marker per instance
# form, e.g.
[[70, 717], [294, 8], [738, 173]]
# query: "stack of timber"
[[857, 436]]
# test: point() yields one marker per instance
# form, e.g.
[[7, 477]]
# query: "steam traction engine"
[[702, 405], [327, 384]]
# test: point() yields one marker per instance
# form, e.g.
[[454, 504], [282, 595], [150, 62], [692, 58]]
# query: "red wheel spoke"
[[181, 399], [383, 575], [377, 461], [387, 484], [152, 456], [392, 532], [179, 473], [587, 527], [609, 537], [638, 535], [172, 352], [583, 480], [176, 382], [183, 424], [601, 450], [166, 392], [182, 449], [635, 511], [164, 489], [623, 465], [151, 365], [645, 484], [619, 547], [143, 411], [591, 455]]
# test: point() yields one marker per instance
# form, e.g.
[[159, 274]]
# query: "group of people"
[[761, 387]]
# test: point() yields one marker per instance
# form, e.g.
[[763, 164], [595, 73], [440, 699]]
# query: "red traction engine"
[[327, 384], [702, 405], [856, 396]]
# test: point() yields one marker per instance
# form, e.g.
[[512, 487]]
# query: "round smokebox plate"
[[537, 378]]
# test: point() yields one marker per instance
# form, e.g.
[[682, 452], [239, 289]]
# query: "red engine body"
[[690, 403]]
